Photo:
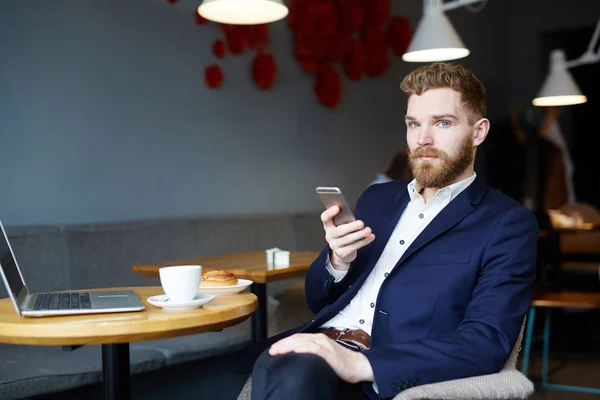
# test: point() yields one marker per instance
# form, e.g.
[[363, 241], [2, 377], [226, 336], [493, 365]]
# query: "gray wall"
[[104, 115]]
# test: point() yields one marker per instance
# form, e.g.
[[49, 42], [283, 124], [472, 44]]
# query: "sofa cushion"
[[309, 232], [194, 347], [275, 230], [231, 234], [32, 370], [42, 257], [102, 255]]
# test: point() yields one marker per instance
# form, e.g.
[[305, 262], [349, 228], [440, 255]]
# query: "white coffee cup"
[[180, 282]]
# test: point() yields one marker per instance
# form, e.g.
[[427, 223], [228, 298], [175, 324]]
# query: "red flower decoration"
[[172, 1], [377, 12], [259, 36], [226, 28], [213, 76], [200, 20], [308, 44], [309, 64], [377, 52], [328, 86], [294, 10], [354, 64], [399, 34], [219, 49], [337, 46], [310, 53], [378, 63], [264, 70], [352, 16], [237, 39], [319, 11]]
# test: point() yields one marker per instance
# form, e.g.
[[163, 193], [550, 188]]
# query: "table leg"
[[115, 371], [259, 318]]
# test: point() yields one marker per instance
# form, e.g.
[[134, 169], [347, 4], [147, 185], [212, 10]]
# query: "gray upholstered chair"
[[508, 384]]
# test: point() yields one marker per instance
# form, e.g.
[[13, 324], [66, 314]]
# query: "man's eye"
[[444, 124], [412, 124]]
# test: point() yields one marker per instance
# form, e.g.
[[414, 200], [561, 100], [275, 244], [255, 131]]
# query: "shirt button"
[[386, 274], [372, 305], [402, 242], [421, 216], [362, 321]]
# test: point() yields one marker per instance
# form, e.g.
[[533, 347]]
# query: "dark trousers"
[[299, 377]]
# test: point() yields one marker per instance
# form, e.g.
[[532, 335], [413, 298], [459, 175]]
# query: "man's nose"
[[425, 138]]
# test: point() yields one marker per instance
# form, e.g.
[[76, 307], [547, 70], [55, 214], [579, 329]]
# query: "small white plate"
[[225, 290], [163, 301]]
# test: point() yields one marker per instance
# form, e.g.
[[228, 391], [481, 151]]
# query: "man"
[[432, 280]]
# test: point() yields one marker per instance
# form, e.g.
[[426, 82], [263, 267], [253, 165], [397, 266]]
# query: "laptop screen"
[[9, 267]]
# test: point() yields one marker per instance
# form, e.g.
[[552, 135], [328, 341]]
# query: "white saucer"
[[163, 301], [225, 290]]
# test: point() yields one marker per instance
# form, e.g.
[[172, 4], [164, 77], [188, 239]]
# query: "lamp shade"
[[243, 12], [435, 38], [559, 88]]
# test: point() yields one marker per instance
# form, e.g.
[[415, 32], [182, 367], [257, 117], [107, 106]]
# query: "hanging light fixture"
[[559, 88], [243, 12], [435, 38]]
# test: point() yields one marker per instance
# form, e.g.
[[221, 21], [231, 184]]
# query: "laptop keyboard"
[[62, 301]]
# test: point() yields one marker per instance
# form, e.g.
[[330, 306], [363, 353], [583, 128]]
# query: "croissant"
[[218, 278]]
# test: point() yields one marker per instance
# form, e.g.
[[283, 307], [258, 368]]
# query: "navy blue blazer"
[[453, 305]]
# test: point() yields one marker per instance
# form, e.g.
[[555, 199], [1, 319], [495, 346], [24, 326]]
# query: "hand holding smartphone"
[[344, 234], [332, 196]]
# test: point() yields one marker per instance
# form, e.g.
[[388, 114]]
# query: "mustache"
[[427, 152]]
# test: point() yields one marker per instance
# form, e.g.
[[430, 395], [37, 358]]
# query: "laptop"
[[58, 303]]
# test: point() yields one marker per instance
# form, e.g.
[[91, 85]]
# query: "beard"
[[430, 175]]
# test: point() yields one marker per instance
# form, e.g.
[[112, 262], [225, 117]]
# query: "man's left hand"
[[350, 366]]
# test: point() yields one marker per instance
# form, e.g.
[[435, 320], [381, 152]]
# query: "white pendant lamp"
[[559, 88], [243, 12], [435, 38]]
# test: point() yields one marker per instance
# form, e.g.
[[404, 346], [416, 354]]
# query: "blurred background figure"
[[398, 169]]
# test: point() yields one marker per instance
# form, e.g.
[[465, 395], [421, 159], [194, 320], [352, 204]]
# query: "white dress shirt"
[[415, 218]]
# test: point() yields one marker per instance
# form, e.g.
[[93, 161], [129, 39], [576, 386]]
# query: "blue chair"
[[548, 301]]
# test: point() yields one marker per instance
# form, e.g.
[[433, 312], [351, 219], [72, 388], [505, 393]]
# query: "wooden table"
[[548, 301], [249, 265], [570, 246], [115, 331]]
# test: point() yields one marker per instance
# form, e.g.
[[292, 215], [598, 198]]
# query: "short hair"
[[447, 75]]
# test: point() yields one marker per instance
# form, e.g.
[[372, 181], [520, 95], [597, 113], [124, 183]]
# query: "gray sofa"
[[101, 255]]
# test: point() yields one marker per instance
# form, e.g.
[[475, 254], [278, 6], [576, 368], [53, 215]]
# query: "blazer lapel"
[[384, 231], [451, 215]]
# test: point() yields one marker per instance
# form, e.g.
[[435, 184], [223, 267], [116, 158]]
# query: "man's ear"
[[480, 131]]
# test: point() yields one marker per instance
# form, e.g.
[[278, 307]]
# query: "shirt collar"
[[450, 191]]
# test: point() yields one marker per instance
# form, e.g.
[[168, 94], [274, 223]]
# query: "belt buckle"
[[342, 333], [348, 344]]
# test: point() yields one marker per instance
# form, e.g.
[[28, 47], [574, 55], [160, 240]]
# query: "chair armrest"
[[506, 384]]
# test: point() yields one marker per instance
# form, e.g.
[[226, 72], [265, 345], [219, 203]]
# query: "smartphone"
[[332, 196]]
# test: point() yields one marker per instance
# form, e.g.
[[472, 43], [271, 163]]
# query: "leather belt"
[[354, 339]]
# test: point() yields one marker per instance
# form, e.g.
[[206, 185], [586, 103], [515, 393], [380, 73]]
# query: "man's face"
[[439, 137]]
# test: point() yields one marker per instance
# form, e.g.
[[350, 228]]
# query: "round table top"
[[151, 323]]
